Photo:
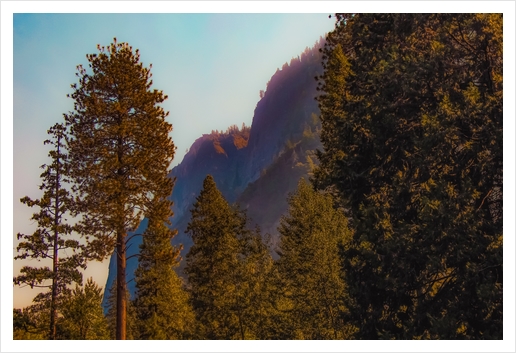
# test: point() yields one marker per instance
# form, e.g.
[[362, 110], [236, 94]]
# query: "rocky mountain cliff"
[[255, 167]]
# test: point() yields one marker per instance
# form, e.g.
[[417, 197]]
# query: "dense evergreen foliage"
[[311, 287], [412, 134], [224, 269], [29, 324], [212, 263], [161, 305], [120, 151]]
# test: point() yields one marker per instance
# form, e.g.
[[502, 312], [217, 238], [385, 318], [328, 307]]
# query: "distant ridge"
[[255, 167]]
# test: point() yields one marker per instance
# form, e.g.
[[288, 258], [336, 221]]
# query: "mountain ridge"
[[272, 154]]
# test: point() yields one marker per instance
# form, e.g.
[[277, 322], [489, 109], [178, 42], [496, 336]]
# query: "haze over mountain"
[[255, 167]]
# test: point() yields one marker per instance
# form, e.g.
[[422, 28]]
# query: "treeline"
[[234, 289], [398, 234]]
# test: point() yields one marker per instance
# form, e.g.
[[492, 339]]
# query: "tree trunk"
[[121, 291], [53, 309]]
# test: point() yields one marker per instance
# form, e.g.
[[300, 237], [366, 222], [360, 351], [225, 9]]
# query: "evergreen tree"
[[120, 152], [310, 281], [162, 305], [253, 306], [212, 264], [227, 270], [412, 133], [52, 238], [82, 314]]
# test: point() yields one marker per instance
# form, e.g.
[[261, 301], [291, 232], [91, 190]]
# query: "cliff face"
[[283, 112], [223, 155], [255, 166]]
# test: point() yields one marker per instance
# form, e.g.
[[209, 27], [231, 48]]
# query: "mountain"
[[255, 167]]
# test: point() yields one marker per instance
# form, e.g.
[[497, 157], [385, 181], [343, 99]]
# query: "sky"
[[211, 65]]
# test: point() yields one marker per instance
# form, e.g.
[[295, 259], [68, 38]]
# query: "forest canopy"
[[411, 112]]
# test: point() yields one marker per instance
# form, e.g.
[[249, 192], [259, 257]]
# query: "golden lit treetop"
[[119, 142]]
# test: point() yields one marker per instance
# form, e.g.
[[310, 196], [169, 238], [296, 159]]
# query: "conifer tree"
[[227, 269], [52, 239], [120, 153], [309, 266], [411, 117], [161, 305], [212, 264], [254, 307]]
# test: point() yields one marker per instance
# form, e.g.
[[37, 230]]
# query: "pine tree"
[[82, 314], [120, 153], [254, 307], [52, 239], [411, 117], [162, 305], [212, 264], [310, 282], [227, 269]]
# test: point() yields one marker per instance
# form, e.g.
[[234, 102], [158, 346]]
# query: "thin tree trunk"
[[53, 309], [121, 292], [121, 295]]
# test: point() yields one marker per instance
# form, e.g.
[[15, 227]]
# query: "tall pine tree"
[[227, 268], [120, 153], [52, 241], [212, 264], [161, 305], [411, 117]]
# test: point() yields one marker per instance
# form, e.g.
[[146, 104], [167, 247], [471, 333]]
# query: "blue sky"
[[212, 67]]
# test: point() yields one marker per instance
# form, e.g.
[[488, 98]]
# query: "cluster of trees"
[[80, 316], [398, 235], [237, 290], [411, 116], [109, 169]]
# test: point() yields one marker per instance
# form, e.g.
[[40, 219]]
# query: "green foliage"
[[52, 240], [162, 306], [311, 290], [254, 286], [29, 324], [82, 314], [120, 152], [212, 263], [79, 316], [224, 269], [412, 134]]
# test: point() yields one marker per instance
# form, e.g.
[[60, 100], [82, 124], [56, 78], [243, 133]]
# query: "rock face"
[[255, 167]]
